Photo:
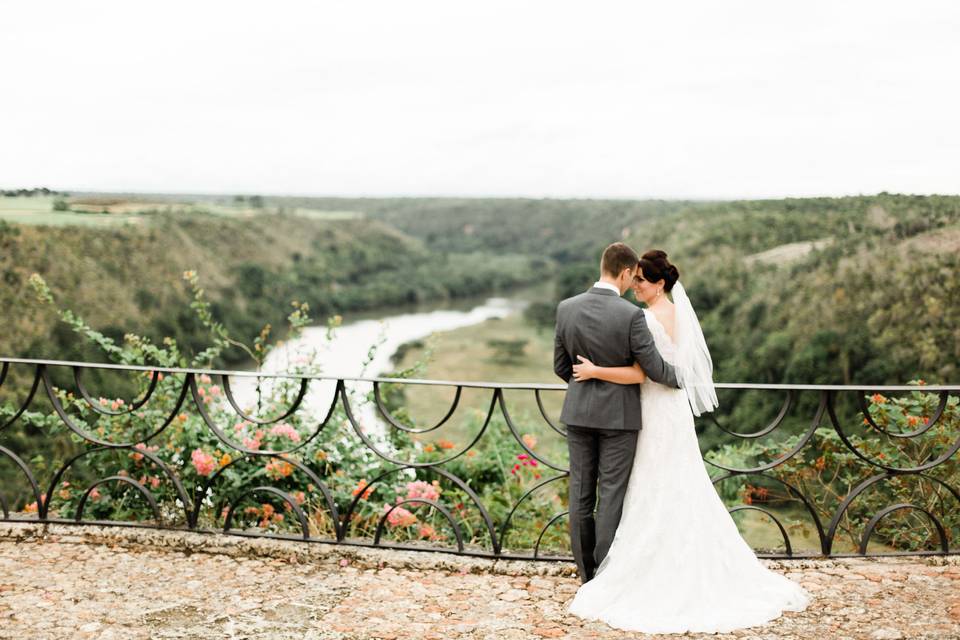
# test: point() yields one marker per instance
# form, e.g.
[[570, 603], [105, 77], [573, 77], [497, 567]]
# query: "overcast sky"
[[679, 99]]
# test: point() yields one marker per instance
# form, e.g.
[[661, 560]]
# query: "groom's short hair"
[[618, 257]]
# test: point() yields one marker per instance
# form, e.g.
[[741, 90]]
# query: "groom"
[[603, 418]]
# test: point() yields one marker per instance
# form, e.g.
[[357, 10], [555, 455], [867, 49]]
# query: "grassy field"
[[120, 209], [38, 210], [464, 354]]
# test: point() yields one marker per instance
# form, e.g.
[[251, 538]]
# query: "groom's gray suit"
[[603, 418]]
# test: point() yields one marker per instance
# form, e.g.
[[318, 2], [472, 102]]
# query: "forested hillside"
[[129, 277], [839, 290], [859, 289], [863, 290]]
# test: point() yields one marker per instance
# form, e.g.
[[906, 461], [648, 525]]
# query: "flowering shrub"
[[215, 476], [826, 471]]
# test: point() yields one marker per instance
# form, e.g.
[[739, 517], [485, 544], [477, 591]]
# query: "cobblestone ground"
[[92, 582]]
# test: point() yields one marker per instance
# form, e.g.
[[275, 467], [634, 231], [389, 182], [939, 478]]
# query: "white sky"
[[702, 99]]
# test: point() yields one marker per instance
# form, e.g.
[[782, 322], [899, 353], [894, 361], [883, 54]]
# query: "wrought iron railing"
[[474, 508]]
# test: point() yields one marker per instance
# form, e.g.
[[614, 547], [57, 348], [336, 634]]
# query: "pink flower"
[[154, 481], [399, 517], [423, 490], [215, 390], [95, 494], [203, 462], [251, 443], [141, 447], [285, 430], [205, 379]]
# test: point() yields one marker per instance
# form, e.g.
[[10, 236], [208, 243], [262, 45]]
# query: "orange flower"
[[877, 398], [530, 440], [445, 444], [365, 488], [426, 531], [278, 469], [820, 463], [225, 459], [428, 448], [913, 420]]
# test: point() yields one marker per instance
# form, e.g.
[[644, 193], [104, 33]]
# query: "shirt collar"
[[606, 285]]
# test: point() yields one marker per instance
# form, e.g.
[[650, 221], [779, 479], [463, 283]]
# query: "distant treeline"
[[39, 191]]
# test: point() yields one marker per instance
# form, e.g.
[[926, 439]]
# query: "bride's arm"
[[585, 370]]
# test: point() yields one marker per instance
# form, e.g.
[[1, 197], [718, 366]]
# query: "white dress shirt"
[[606, 285]]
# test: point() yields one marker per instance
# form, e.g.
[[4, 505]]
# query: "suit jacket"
[[610, 332]]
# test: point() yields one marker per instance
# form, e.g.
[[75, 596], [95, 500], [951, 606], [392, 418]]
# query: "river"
[[347, 354]]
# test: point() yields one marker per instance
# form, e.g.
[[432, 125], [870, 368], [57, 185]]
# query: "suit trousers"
[[599, 458]]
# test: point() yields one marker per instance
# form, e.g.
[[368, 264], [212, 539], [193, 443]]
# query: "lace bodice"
[[666, 346]]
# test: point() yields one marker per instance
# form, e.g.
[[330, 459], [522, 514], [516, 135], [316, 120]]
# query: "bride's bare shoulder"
[[666, 315]]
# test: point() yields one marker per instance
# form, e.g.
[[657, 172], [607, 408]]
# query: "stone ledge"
[[295, 551], [323, 554]]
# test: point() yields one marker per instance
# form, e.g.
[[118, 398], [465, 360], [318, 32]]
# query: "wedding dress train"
[[678, 562]]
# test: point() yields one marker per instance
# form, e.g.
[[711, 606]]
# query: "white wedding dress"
[[678, 562]]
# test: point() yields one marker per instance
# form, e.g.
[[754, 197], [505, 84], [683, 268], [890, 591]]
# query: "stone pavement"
[[61, 581]]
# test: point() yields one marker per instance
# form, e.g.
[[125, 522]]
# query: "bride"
[[677, 562]]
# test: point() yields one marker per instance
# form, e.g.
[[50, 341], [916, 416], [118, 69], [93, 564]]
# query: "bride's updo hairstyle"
[[656, 267]]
